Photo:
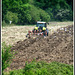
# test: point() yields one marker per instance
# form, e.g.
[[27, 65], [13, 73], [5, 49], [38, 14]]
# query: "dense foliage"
[[6, 56], [59, 10], [29, 11], [43, 68]]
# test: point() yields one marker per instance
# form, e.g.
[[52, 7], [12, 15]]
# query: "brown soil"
[[56, 47]]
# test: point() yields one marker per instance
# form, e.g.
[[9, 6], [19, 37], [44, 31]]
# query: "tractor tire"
[[47, 34]]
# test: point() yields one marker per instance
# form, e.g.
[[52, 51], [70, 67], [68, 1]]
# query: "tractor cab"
[[40, 29], [40, 25]]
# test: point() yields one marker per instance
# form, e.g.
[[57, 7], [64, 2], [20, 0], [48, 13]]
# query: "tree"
[[11, 17]]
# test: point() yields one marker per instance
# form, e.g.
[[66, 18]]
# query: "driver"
[[43, 30], [35, 29]]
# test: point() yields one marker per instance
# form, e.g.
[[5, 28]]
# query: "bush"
[[36, 68], [24, 14], [38, 14], [29, 14], [56, 68], [29, 11], [49, 11], [34, 12], [44, 16], [64, 15], [11, 17], [4, 23], [6, 56], [43, 68]]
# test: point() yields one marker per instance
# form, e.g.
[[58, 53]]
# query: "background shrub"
[[6, 56], [29, 11], [64, 15], [44, 68], [11, 17]]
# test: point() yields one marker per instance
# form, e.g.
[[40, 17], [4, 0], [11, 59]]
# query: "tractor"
[[39, 30]]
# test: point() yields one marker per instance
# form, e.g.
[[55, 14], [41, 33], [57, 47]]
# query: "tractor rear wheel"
[[47, 33]]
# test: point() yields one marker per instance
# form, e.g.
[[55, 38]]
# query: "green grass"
[[7, 55], [43, 68]]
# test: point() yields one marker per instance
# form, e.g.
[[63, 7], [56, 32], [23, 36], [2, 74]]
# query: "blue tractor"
[[40, 29]]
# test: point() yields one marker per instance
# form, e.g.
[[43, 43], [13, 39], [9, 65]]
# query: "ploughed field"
[[58, 46], [12, 34]]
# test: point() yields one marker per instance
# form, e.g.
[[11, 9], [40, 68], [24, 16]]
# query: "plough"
[[39, 30]]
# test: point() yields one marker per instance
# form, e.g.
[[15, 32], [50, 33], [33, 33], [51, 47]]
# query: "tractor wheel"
[[47, 31], [47, 34]]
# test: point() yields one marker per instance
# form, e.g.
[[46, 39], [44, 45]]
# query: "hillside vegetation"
[[29, 11], [43, 68]]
